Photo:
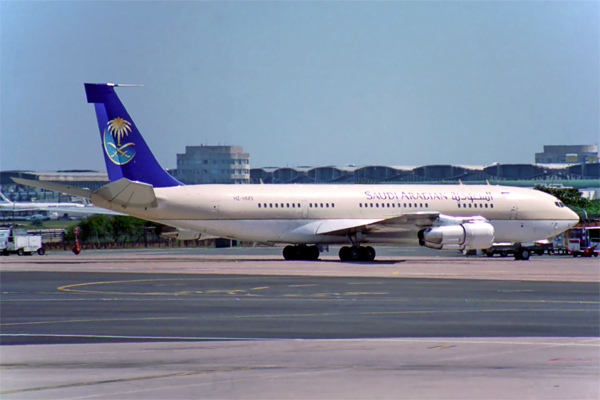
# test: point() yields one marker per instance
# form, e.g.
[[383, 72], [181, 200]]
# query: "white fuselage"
[[297, 213]]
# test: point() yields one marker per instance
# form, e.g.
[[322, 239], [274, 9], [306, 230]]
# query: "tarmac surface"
[[243, 323]]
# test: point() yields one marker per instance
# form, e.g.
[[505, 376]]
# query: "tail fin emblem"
[[117, 129]]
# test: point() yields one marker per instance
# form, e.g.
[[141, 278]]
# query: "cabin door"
[[514, 210]]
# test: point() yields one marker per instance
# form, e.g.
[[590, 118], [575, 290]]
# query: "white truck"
[[19, 242]]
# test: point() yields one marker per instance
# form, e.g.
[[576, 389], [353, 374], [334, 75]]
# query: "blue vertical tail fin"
[[126, 154]]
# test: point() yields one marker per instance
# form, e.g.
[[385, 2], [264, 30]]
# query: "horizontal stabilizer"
[[57, 187], [126, 193]]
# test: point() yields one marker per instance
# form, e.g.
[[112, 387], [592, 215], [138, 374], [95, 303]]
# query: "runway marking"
[[402, 312], [172, 338], [139, 378], [583, 342], [91, 320], [303, 285], [292, 316], [442, 347], [238, 292]]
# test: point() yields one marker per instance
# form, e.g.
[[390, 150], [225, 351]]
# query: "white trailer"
[[20, 244]]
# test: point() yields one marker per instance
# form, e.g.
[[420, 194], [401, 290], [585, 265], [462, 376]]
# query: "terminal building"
[[582, 154], [528, 174], [213, 164]]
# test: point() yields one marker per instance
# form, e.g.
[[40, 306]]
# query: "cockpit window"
[[559, 204]]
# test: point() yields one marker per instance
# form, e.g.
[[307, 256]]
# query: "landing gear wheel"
[[366, 253], [354, 254], [344, 256], [522, 253], [290, 253], [307, 253], [313, 253]]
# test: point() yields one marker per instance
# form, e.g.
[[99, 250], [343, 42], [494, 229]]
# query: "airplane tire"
[[354, 254], [290, 253], [368, 253], [307, 253], [522, 253], [313, 253], [344, 256]]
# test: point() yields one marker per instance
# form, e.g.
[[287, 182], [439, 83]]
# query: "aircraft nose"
[[571, 217]]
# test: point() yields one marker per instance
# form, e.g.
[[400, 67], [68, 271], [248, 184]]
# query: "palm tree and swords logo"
[[117, 129]]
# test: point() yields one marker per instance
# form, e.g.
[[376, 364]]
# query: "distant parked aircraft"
[[55, 209]]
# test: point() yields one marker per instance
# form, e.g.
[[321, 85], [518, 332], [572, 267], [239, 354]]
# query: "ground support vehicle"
[[519, 251], [21, 243]]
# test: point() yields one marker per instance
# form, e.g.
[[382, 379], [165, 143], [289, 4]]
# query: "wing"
[[405, 226], [410, 221]]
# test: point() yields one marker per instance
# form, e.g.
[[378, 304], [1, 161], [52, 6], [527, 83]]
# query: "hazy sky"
[[302, 83]]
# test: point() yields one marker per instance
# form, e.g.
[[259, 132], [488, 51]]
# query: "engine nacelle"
[[178, 234], [470, 236]]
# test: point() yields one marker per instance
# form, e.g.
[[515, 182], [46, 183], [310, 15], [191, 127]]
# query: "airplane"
[[54, 209], [304, 218]]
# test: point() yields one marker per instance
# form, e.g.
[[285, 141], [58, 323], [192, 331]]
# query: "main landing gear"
[[301, 252], [357, 253]]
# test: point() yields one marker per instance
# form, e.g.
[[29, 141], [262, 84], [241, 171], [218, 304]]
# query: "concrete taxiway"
[[242, 323]]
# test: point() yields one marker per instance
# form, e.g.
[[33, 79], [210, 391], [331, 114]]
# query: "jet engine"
[[469, 236], [176, 233]]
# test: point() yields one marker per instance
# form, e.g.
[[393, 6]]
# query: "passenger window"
[[469, 205], [281, 205], [271, 205], [332, 205], [360, 205], [491, 206], [421, 205], [393, 205], [298, 205], [404, 205], [486, 206], [409, 205], [327, 205], [275, 205], [377, 205], [426, 205], [293, 205], [321, 205], [371, 205], [258, 205], [310, 205]]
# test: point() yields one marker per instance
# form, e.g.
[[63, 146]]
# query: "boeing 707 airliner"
[[302, 217]]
